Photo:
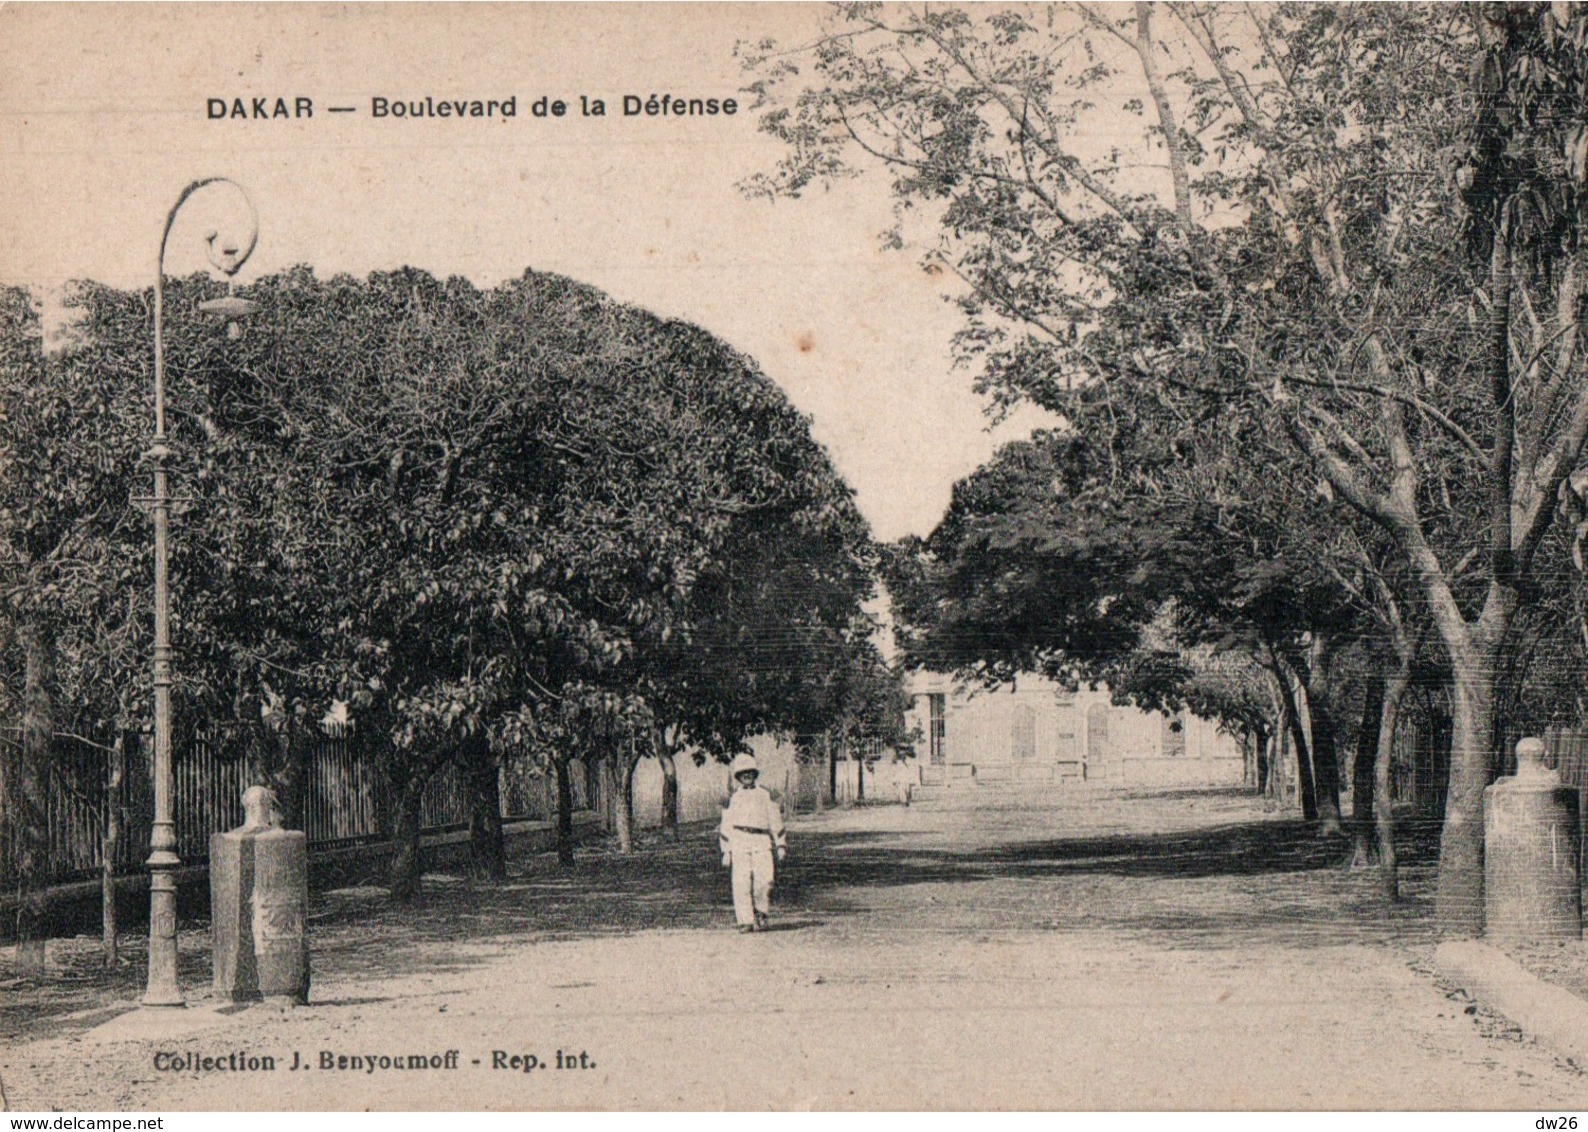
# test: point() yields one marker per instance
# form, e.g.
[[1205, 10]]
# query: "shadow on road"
[[1271, 881], [1224, 883]]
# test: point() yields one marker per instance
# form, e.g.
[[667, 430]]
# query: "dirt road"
[[1186, 952]]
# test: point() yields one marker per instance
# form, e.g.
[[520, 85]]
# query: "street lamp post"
[[162, 988]]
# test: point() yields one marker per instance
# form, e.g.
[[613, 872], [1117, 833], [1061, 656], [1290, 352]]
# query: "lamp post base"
[[163, 989]]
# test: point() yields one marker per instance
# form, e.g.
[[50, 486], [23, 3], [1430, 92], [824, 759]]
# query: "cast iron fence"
[[343, 802]]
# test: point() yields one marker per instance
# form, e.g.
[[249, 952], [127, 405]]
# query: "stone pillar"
[[1531, 890], [259, 900]]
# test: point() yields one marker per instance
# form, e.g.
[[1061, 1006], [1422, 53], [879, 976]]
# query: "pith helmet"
[[742, 763]]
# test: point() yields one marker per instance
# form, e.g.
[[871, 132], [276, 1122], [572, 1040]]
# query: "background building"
[[1037, 732]]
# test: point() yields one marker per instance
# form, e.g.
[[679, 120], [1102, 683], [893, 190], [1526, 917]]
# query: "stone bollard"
[[1530, 840], [259, 901]]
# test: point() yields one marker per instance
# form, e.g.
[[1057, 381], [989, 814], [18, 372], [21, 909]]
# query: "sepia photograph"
[[772, 557]]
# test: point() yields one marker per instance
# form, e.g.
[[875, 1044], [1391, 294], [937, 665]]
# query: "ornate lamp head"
[[229, 254], [232, 309]]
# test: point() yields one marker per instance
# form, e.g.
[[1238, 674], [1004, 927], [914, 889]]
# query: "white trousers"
[[752, 883]]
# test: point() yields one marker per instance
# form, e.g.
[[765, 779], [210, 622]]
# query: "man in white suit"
[[751, 838]]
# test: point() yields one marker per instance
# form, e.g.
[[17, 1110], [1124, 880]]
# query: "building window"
[[1023, 732], [936, 729], [1174, 735]]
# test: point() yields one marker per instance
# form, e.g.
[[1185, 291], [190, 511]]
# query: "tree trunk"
[[1383, 803], [277, 753], [1276, 761], [1441, 767], [1459, 897], [1323, 734], [860, 779], [112, 843], [1298, 741], [1474, 650], [292, 774], [487, 849], [564, 812], [407, 863], [601, 793], [1431, 764], [1278, 736], [631, 763], [1363, 776], [30, 797], [1260, 737], [1325, 762], [664, 757], [617, 812], [832, 766], [1287, 777], [259, 751]]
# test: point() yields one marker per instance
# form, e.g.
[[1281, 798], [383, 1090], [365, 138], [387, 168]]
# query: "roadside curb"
[[1556, 1017]]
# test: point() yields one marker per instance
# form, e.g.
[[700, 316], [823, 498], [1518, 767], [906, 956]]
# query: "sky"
[[104, 117]]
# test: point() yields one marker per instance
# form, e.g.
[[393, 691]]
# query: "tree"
[[489, 521], [536, 500], [68, 447], [1037, 566], [1298, 264], [1051, 560], [1574, 502], [779, 565]]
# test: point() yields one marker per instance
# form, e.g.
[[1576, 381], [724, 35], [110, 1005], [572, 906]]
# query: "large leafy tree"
[[1037, 566], [541, 495], [71, 635], [771, 632], [485, 520], [1361, 231], [1051, 559]]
